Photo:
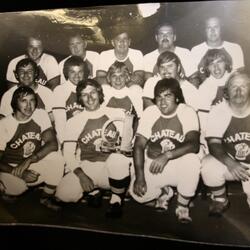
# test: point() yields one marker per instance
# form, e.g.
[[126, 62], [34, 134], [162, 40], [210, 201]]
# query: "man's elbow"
[[195, 148], [54, 146]]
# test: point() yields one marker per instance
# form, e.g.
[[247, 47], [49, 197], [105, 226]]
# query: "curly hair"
[[83, 85], [75, 61], [169, 84]]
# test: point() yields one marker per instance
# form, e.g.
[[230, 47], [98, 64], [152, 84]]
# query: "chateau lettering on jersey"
[[237, 137], [97, 133], [167, 133], [73, 106], [25, 137]]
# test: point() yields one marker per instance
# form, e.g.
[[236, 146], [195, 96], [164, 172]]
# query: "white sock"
[[115, 198], [94, 192]]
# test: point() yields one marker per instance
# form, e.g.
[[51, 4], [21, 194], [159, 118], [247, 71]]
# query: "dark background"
[[188, 18]]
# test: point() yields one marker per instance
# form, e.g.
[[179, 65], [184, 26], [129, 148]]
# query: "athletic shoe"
[[218, 206], [182, 214], [114, 210], [51, 203], [94, 200], [161, 204]]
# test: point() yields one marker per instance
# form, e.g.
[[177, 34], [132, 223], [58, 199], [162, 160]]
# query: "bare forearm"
[[139, 162], [186, 148], [44, 151], [218, 152]]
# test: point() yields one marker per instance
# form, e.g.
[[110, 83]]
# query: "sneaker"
[[218, 206], [114, 210], [95, 199], [161, 204], [51, 203], [182, 214]]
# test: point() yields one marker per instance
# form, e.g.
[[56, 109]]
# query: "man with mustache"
[[228, 143], [165, 36]]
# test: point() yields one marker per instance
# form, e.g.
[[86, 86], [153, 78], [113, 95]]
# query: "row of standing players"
[[173, 140]]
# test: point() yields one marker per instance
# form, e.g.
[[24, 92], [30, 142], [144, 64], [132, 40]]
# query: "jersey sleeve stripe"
[[59, 108]]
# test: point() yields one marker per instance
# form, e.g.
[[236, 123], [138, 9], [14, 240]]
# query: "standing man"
[[28, 149], [165, 36], [48, 74], [214, 40], [228, 143], [122, 52], [77, 46]]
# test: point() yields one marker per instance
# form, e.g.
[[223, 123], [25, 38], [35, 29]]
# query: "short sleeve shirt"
[[92, 60], [133, 61], [234, 131], [65, 98], [86, 130], [48, 68], [165, 133], [20, 140], [44, 100]]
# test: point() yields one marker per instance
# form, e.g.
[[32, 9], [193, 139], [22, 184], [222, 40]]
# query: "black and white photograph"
[[128, 120]]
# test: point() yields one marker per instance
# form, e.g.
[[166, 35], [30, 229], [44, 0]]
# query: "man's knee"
[[69, 189], [118, 166], [12, 185], [211, 172]]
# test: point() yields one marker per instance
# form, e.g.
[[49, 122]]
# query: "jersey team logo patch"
[[167, 145], [28, 149], [242, 151]]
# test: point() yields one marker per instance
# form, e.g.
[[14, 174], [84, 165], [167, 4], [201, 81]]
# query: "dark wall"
[[188, 18]]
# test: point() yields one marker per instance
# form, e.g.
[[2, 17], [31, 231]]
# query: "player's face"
[[118, 79], [25, 106], [168, 70], [239, 90], [90, 98], [77, 46], [213, 30], [35, 49], [165, 37], [217, 68], [75, 74], [121, 43], [166, 102], [26, 75]]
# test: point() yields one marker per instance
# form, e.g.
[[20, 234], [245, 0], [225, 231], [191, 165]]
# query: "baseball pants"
[[183, 173], [115, 167], [50, 168]]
